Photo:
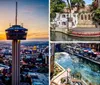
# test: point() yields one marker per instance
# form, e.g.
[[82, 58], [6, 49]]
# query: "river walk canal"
[[58, 36], [90, 72]]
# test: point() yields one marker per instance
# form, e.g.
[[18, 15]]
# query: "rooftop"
[[16, 27]]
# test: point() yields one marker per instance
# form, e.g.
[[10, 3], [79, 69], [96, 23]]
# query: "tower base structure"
[[16, 62]]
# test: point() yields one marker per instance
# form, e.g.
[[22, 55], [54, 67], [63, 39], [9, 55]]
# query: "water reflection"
[[58, 36], [90, 72]]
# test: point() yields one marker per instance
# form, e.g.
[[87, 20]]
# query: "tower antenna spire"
[[16, 13]]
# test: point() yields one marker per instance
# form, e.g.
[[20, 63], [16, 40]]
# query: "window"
[[67, 15], [25, 31], [85, 17], [63, 16], [63, 23], [81, 17], [24, 36], [73, 24], [74, 15], [89, 17]]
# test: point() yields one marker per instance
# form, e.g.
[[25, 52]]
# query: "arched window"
[[82, 17], [85, 17], [63, 23], [89, 17], [63, 16]]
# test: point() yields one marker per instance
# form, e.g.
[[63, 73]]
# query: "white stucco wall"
[[62, 20]]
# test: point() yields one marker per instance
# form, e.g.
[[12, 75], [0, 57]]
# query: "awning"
[[85, 50], [88, 50]]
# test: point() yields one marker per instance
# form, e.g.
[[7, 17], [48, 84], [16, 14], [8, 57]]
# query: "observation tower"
[[16, 33]]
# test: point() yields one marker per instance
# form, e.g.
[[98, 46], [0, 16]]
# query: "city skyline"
[[33, 15]]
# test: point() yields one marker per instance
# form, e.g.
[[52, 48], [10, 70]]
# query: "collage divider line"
[[49, 38]]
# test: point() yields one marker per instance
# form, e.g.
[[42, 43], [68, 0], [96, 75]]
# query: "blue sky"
[[86, 1]]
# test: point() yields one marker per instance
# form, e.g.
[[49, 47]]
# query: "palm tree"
[[69, 7], [75, 3]]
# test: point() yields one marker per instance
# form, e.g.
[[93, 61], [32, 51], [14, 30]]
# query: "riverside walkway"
[[97, 62], [87, 58], [86, 32]]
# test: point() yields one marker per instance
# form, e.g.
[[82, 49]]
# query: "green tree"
[[56, 6], [74, 3], [95, 4], [77, 3], [96, 16]]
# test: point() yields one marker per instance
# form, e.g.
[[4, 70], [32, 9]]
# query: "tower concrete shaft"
[[15, 62]]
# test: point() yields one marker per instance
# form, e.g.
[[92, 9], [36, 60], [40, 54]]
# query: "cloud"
[[38, 35], [2, 36], [34, 35]]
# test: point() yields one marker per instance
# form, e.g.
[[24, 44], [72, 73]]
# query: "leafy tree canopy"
[[78, 3], [96, 15], [56, 6]]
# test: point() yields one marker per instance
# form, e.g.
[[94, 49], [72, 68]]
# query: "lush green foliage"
[[96, 15], [78, 3], [77, 75], [56, 6], [95, 5], [62, 80]]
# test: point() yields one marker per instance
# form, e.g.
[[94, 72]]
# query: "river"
[[78, 65], [58, 36]]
